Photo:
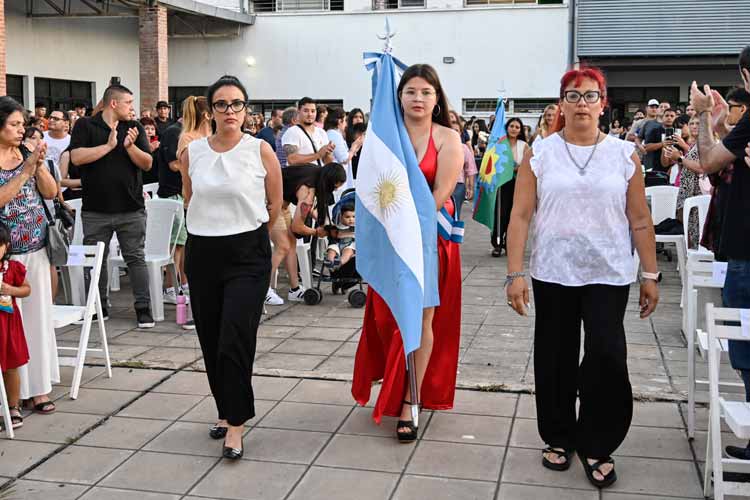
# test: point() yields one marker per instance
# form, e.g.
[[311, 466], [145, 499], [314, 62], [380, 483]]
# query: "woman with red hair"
[[589, 196]]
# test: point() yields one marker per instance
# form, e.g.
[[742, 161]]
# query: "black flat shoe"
[[409, 436], [217, 432], [608, 480], [232, 453], [560, 452], [738, 452], [497, 252]]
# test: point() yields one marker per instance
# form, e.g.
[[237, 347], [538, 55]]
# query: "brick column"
[[153, 52], [3, 69]]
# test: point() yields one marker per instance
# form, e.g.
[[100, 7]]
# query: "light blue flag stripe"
[[377, 260]]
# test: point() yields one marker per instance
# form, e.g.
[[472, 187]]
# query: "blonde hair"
[[194, 112], [543, 125]]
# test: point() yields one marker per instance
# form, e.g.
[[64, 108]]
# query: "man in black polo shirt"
[[111, 151], [735, 231]]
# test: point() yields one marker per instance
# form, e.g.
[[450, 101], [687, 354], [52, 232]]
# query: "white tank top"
[[581, 231], [229, 192]]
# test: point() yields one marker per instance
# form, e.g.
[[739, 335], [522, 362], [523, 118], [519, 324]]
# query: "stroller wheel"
[[357, 298], [312, 296]]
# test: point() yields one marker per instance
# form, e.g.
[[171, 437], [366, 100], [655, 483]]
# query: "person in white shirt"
[[335, 127], [587, 192], [57, 138], [306, 143], [232, 186]]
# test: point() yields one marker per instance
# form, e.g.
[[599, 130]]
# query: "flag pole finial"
[[387, 36]]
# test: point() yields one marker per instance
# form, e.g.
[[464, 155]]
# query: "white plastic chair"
[[160, 215], [6, 410], [736, 414], [73, 282], [63, 316], [663, 200], [693, 255], [151, 189]]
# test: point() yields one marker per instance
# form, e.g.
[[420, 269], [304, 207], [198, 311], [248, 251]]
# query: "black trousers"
[[505, 205], [601, 380], [228, 278]]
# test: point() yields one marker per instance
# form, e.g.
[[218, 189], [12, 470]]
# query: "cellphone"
[[669, 132]]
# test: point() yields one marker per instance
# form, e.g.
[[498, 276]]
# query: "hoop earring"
[[439, 109]]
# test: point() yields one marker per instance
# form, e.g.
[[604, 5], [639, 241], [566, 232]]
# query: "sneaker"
[[145, 320], [190, 325], [170, 296], [296, 295], [273, 299]]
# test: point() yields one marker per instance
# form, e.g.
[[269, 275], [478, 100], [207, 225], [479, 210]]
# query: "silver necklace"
[[581, 169]]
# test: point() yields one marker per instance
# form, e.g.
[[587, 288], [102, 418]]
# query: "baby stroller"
[[344, 277]]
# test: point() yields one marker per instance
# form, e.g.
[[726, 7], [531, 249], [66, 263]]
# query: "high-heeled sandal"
[[408, 436]]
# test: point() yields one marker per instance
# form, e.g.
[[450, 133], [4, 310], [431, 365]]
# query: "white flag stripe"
[[400, 218]]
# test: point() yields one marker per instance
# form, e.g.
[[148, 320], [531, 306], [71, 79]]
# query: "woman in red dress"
[[380, 354]]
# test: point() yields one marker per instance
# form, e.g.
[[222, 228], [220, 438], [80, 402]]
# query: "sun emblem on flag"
[[390, 192]]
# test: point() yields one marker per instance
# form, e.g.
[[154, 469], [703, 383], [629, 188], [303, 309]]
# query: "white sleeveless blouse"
[[229, 191], [581, 231]]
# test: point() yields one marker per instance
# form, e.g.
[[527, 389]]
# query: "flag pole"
[[411, 364]]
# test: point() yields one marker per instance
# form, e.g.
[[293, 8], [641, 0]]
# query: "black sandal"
[[560, 452], [591, 468], [409, 436], [497, 252], [16, 419]]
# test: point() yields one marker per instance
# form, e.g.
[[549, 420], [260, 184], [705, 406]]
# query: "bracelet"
[[511, 277]]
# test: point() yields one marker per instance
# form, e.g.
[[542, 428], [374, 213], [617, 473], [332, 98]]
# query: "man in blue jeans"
[[111, 151], [734, 241]]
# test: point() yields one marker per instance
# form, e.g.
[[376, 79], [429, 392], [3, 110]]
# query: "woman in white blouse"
[[232, 188], [589, 197], [335, 127]]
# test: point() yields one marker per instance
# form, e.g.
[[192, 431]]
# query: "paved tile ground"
[[144, 432]]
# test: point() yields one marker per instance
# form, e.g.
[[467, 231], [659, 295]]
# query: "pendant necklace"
[[581, 169]]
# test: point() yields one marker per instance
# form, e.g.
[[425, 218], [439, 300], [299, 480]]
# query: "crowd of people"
[[271, 181]]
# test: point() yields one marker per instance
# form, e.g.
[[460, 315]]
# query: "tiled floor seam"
[[505, 451], [417, 443], [319, 453]]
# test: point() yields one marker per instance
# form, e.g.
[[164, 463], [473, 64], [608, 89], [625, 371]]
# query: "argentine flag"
[[396, 228]]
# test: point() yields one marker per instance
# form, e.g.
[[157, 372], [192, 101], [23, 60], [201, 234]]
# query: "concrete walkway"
[[144, 433]]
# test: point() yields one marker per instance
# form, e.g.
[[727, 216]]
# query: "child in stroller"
[[340, 261]]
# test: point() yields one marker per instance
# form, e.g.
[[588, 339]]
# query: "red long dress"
[[380, 354]]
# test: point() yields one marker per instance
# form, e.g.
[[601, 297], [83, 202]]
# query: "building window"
[[511, 2], [14, 88], [397, 4], [61, 94], [482, 106], [178, 94], [530, 106], [297, 5]]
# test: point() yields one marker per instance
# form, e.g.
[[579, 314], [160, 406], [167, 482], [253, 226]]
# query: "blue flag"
[[396, 228]]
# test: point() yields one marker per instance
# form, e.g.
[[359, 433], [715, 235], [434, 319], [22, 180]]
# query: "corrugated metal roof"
[[662, 27]]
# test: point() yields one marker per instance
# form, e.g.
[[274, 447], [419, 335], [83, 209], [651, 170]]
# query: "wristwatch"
[[651, 276], [679, 160]]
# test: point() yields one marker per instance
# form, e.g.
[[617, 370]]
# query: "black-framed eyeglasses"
[[590, 96], [223, 106], [735, 106]]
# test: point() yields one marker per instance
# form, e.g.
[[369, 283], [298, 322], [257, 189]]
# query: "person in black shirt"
[[163, 120], [111, 152], [654, 140], [735, 231]]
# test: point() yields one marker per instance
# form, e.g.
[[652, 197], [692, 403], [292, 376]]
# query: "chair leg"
[[83, 345], [103, 334], [708, 466], [155, 290], [114, 278], [6, 410], [691, 383], [304, 267]]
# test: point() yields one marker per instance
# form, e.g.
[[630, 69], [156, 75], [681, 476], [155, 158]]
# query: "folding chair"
[[63, 316], [160, 215], [6, 409], [151, 189], [736, 414], [698, 275]]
